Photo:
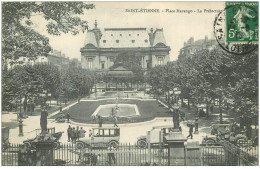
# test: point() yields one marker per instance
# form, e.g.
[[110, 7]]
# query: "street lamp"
[[20, 118]]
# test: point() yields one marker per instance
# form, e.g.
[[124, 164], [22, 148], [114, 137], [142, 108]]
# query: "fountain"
[[118, 110]]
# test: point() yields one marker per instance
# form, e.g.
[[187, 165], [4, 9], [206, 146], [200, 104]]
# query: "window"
[[112, 132], [106, 132], [160, 60], [148, 65], [104, 41], [90, 63], [117, 41], [133, 41], [145, 40], [103, 65]]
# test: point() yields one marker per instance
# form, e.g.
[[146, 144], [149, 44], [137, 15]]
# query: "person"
[[82, 132], [77, 133], [100, 121], [68, 117], [60, 108], [90, 133], [182, 116], [115, 121], [73, 134], [69, 133], [111, 155], [190, 131]]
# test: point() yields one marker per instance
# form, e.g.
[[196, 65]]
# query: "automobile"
[[52, 136], [142, 141], [100, 137], [220, 133]]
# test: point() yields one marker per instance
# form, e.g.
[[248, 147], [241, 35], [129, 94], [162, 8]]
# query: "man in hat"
[[190, 131]]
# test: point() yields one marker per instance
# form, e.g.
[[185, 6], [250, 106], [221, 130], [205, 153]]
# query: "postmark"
[[236, 27]]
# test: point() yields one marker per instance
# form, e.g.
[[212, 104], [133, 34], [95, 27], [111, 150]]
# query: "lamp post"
[[20, 118]]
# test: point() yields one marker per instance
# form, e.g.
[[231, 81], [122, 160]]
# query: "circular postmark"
[[236, 29]]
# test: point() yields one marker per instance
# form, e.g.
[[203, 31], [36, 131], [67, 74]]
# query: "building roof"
[[159, 37], [123, 38], [120, 72]]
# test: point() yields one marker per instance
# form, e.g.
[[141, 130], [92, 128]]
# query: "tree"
[[19, 39], [130, 60]]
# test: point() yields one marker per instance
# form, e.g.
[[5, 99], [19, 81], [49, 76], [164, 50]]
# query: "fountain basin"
[[125, 110]]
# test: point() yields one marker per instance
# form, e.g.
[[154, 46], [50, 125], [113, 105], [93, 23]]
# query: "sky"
[[177, 27]]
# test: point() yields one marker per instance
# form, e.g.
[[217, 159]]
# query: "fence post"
[[160, 147], [149, 146], [176, 150]]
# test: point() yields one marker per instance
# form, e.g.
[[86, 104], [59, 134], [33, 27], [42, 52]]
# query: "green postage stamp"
[[242, 21]]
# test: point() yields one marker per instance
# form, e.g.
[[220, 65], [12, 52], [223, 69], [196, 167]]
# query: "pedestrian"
[[69, 133], [182, 116], [100, 121], [77, 133], [111, 156], [60, 108], [68, 117], [190, 131], [82, 132], [115, 121], [73, 134], [90, 133], [211, 108]]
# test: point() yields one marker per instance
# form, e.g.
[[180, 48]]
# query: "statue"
[[175, 117], [43, 120]]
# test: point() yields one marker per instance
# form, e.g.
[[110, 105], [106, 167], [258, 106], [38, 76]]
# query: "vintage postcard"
[[129, 83]]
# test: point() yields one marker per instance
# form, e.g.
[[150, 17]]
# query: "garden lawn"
[[148, 110]]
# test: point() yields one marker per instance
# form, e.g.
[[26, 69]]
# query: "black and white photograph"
[[129, 83]]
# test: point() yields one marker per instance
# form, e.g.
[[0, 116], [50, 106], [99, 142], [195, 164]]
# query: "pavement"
[[128, 134]]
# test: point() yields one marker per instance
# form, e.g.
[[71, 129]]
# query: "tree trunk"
[[207, 109], [25, 103], [188, 103], [220, 111]]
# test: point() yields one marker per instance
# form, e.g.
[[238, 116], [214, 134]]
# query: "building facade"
[[53, 57], [191, 47], [101, 48]]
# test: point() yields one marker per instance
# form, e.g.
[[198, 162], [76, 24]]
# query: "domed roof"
[[91, 38], [159, 37]]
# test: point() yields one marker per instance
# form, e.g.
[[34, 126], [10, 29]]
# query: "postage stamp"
[[236, 27]]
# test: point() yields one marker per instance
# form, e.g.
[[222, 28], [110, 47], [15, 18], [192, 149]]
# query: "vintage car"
[[52, 136], [220, 133], [142, 141], [100, 137]]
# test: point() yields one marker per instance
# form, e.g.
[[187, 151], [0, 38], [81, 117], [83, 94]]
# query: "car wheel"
[[79, 145], [210, 142], [240, 142], [142, 143], [56, 145], [113, 144]]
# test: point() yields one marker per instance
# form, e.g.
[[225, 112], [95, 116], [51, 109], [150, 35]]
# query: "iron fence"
[[132, 155]]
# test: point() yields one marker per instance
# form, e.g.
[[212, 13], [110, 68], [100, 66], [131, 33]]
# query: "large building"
[[102, 47], [190, 47], [54, 57]]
